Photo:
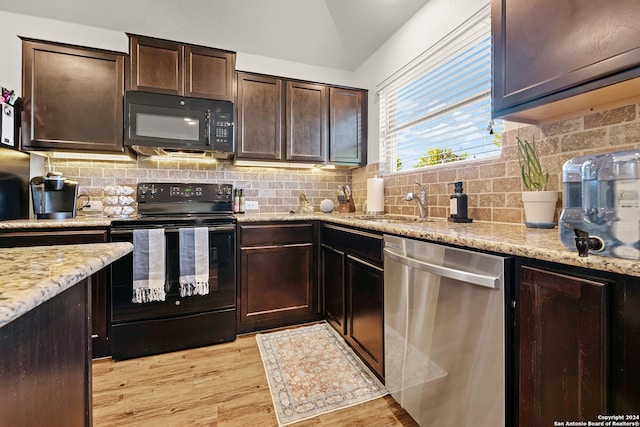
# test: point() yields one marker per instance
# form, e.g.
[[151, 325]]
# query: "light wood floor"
[[220, 385]]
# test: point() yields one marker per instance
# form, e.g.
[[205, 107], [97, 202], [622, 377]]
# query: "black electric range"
[[177, 322]]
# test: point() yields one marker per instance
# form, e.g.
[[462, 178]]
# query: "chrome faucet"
[[421, 200]]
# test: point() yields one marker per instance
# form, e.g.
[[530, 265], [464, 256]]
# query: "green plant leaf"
[[533, 175]]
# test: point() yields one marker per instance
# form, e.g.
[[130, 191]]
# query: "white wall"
[[436, 19], [14, 25], [428, 25]]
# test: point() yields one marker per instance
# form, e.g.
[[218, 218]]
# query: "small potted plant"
[[539, 203]]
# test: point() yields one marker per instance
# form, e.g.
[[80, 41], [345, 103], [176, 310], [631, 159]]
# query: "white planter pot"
[[539, 208]]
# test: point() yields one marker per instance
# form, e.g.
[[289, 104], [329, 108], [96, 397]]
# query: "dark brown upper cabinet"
[[72, 98], [307, 122], [347, 126], [286, 120], [174, 68], [555, 58], [259, 117]]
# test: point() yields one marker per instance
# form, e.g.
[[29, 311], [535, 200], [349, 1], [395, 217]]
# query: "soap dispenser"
[[458, 204]]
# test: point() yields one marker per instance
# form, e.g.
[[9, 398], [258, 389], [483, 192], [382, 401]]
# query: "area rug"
[[312, 371]]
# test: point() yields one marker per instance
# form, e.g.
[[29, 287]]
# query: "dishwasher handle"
[[451, 273]]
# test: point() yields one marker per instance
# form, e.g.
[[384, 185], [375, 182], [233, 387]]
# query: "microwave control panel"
[[221, 130]]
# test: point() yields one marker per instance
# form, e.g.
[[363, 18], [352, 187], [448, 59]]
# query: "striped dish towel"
[[194, 261], [148, 265]]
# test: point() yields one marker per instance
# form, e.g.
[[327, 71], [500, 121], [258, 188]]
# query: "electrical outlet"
[[251, 205]]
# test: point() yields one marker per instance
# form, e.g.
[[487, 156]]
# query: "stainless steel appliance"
[[444, 331], [601, 204], [54, 197], [169, 125], [139, 329]]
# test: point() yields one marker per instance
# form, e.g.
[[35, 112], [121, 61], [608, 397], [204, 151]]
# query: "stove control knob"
[[154, 191], [143, 190]]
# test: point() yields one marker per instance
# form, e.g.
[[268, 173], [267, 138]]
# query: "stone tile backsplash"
[[493, 185], [275, 189]]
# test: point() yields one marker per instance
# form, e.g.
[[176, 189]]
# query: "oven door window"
[[222, 280]]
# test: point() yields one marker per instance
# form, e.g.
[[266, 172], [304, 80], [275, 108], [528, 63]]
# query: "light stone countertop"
[[504, 238], [30, 276], [78, 221]]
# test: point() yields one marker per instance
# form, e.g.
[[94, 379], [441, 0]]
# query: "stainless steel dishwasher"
[[444, 331]]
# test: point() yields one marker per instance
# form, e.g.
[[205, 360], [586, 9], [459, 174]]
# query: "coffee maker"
[[54, 197], [601, 204]]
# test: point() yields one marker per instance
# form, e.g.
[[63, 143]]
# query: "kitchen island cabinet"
[[578, 56], [72, 98], [277, 276], [578, 338], [45, 363], [163, 66], [352, 280], [100, 289], [45, 315]]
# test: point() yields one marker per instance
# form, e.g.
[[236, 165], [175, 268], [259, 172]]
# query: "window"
[[437, 109]]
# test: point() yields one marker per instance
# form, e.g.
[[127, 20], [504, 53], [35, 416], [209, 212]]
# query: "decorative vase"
[[539, 208]]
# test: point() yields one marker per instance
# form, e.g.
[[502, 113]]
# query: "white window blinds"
[[437, 108]]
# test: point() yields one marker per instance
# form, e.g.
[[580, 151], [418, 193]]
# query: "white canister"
[[375, 195]]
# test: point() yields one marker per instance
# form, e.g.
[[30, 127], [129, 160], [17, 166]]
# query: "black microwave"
[[164, 124]]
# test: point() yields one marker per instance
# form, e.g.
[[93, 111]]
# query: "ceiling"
[[331, 33]]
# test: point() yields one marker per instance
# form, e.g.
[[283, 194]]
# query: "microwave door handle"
[[207, 119]]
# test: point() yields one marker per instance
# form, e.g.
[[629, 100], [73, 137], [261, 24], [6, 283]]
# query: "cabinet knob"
[[177, 302]]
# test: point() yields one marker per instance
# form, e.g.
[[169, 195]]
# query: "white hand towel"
[[194, 261], [148, 265]]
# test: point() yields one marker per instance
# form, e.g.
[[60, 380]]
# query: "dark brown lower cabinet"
[[332, 263], [563, 348], [578, 337], [365, 301], [277, 285], [352, 280], [100, 306], [45, 363]]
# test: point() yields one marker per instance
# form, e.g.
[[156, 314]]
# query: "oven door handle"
[[220, 228]]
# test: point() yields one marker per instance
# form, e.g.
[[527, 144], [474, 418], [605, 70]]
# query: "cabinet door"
[[562, 347], [307, 122], [365, 324], [625, 366], [574, 48], [72, 98], [332, 271], [45, 364], [347, 127], [209, 73], [156, 66], [276, 286], [259, 117]]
